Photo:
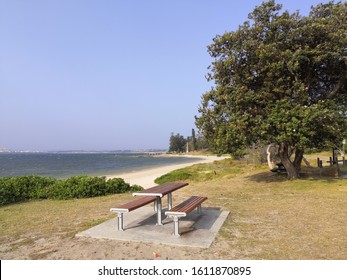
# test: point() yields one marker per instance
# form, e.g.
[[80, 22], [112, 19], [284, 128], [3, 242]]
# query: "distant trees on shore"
[[181, 144]]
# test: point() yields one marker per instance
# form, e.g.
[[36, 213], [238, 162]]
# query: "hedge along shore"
[[145, 178]]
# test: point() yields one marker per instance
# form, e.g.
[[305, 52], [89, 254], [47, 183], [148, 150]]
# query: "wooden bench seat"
[[182, 209], [130, 206]]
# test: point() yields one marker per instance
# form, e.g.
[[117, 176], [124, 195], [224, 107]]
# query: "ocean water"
[[64, 165]]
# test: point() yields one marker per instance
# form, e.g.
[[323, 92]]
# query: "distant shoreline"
[[110, 164], [5, 151]]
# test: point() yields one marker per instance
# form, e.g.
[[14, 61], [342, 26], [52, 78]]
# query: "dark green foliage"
[[177, 143], [117, 185], [16, 189], [22, 188], [78, 187], [279, 78]]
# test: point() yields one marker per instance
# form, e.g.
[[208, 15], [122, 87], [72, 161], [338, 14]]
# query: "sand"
[[62, 246], [145, 178]]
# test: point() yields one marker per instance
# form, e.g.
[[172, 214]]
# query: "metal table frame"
[[159, 192]]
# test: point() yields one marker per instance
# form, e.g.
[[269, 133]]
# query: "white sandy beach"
[[145, 178]]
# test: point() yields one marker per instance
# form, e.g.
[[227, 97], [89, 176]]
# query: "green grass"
[[218, 170], [270, 218]]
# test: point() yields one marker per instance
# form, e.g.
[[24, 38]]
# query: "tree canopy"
[[177, 143], [279, 78]]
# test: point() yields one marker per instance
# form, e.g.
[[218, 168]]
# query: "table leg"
[[155, 206], [159, 208], [169, 200]]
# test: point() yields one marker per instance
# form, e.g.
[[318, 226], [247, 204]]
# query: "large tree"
[[279, 78]]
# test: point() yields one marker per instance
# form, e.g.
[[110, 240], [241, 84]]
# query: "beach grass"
[[218, 170], [270, 217]]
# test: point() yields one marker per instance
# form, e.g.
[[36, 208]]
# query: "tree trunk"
[[283, 152], [299, 155], [270, 162]]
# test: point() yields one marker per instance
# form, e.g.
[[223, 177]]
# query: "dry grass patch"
[[302, 219], [25, 223], [270, 218]]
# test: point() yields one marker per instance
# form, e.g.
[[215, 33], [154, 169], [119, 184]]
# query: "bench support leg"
[[120, 222], [199, 208], [176, 226]]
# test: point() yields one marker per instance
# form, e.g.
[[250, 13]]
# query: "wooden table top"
[[161, 190]]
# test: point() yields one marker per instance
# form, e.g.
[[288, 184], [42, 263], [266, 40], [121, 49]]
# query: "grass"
[[284, 220], [30, 221], [219, 170], [270, 217]]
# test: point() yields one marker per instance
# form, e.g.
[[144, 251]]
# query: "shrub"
[[37, 186], [135, 188], [22, 188], [117, 185], [7, 193], [84, 186], [16, 189]]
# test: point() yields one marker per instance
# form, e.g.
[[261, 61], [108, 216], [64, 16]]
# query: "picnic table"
[[160, 191]]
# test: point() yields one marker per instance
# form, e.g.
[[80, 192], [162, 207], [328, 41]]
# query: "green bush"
[[22, 188], [37, 186], [82, 186], [8, 193], [117, 185], [16, 189]]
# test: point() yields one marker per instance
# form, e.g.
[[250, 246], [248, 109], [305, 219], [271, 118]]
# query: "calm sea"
[[64, 165]]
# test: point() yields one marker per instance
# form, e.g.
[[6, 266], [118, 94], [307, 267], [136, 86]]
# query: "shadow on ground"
[[197, 230]]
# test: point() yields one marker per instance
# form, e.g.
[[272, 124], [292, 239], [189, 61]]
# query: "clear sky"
[[108, 74]]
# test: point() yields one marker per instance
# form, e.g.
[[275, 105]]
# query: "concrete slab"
[[197, 230]]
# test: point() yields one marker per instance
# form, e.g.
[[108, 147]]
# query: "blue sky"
[[108, 74]]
